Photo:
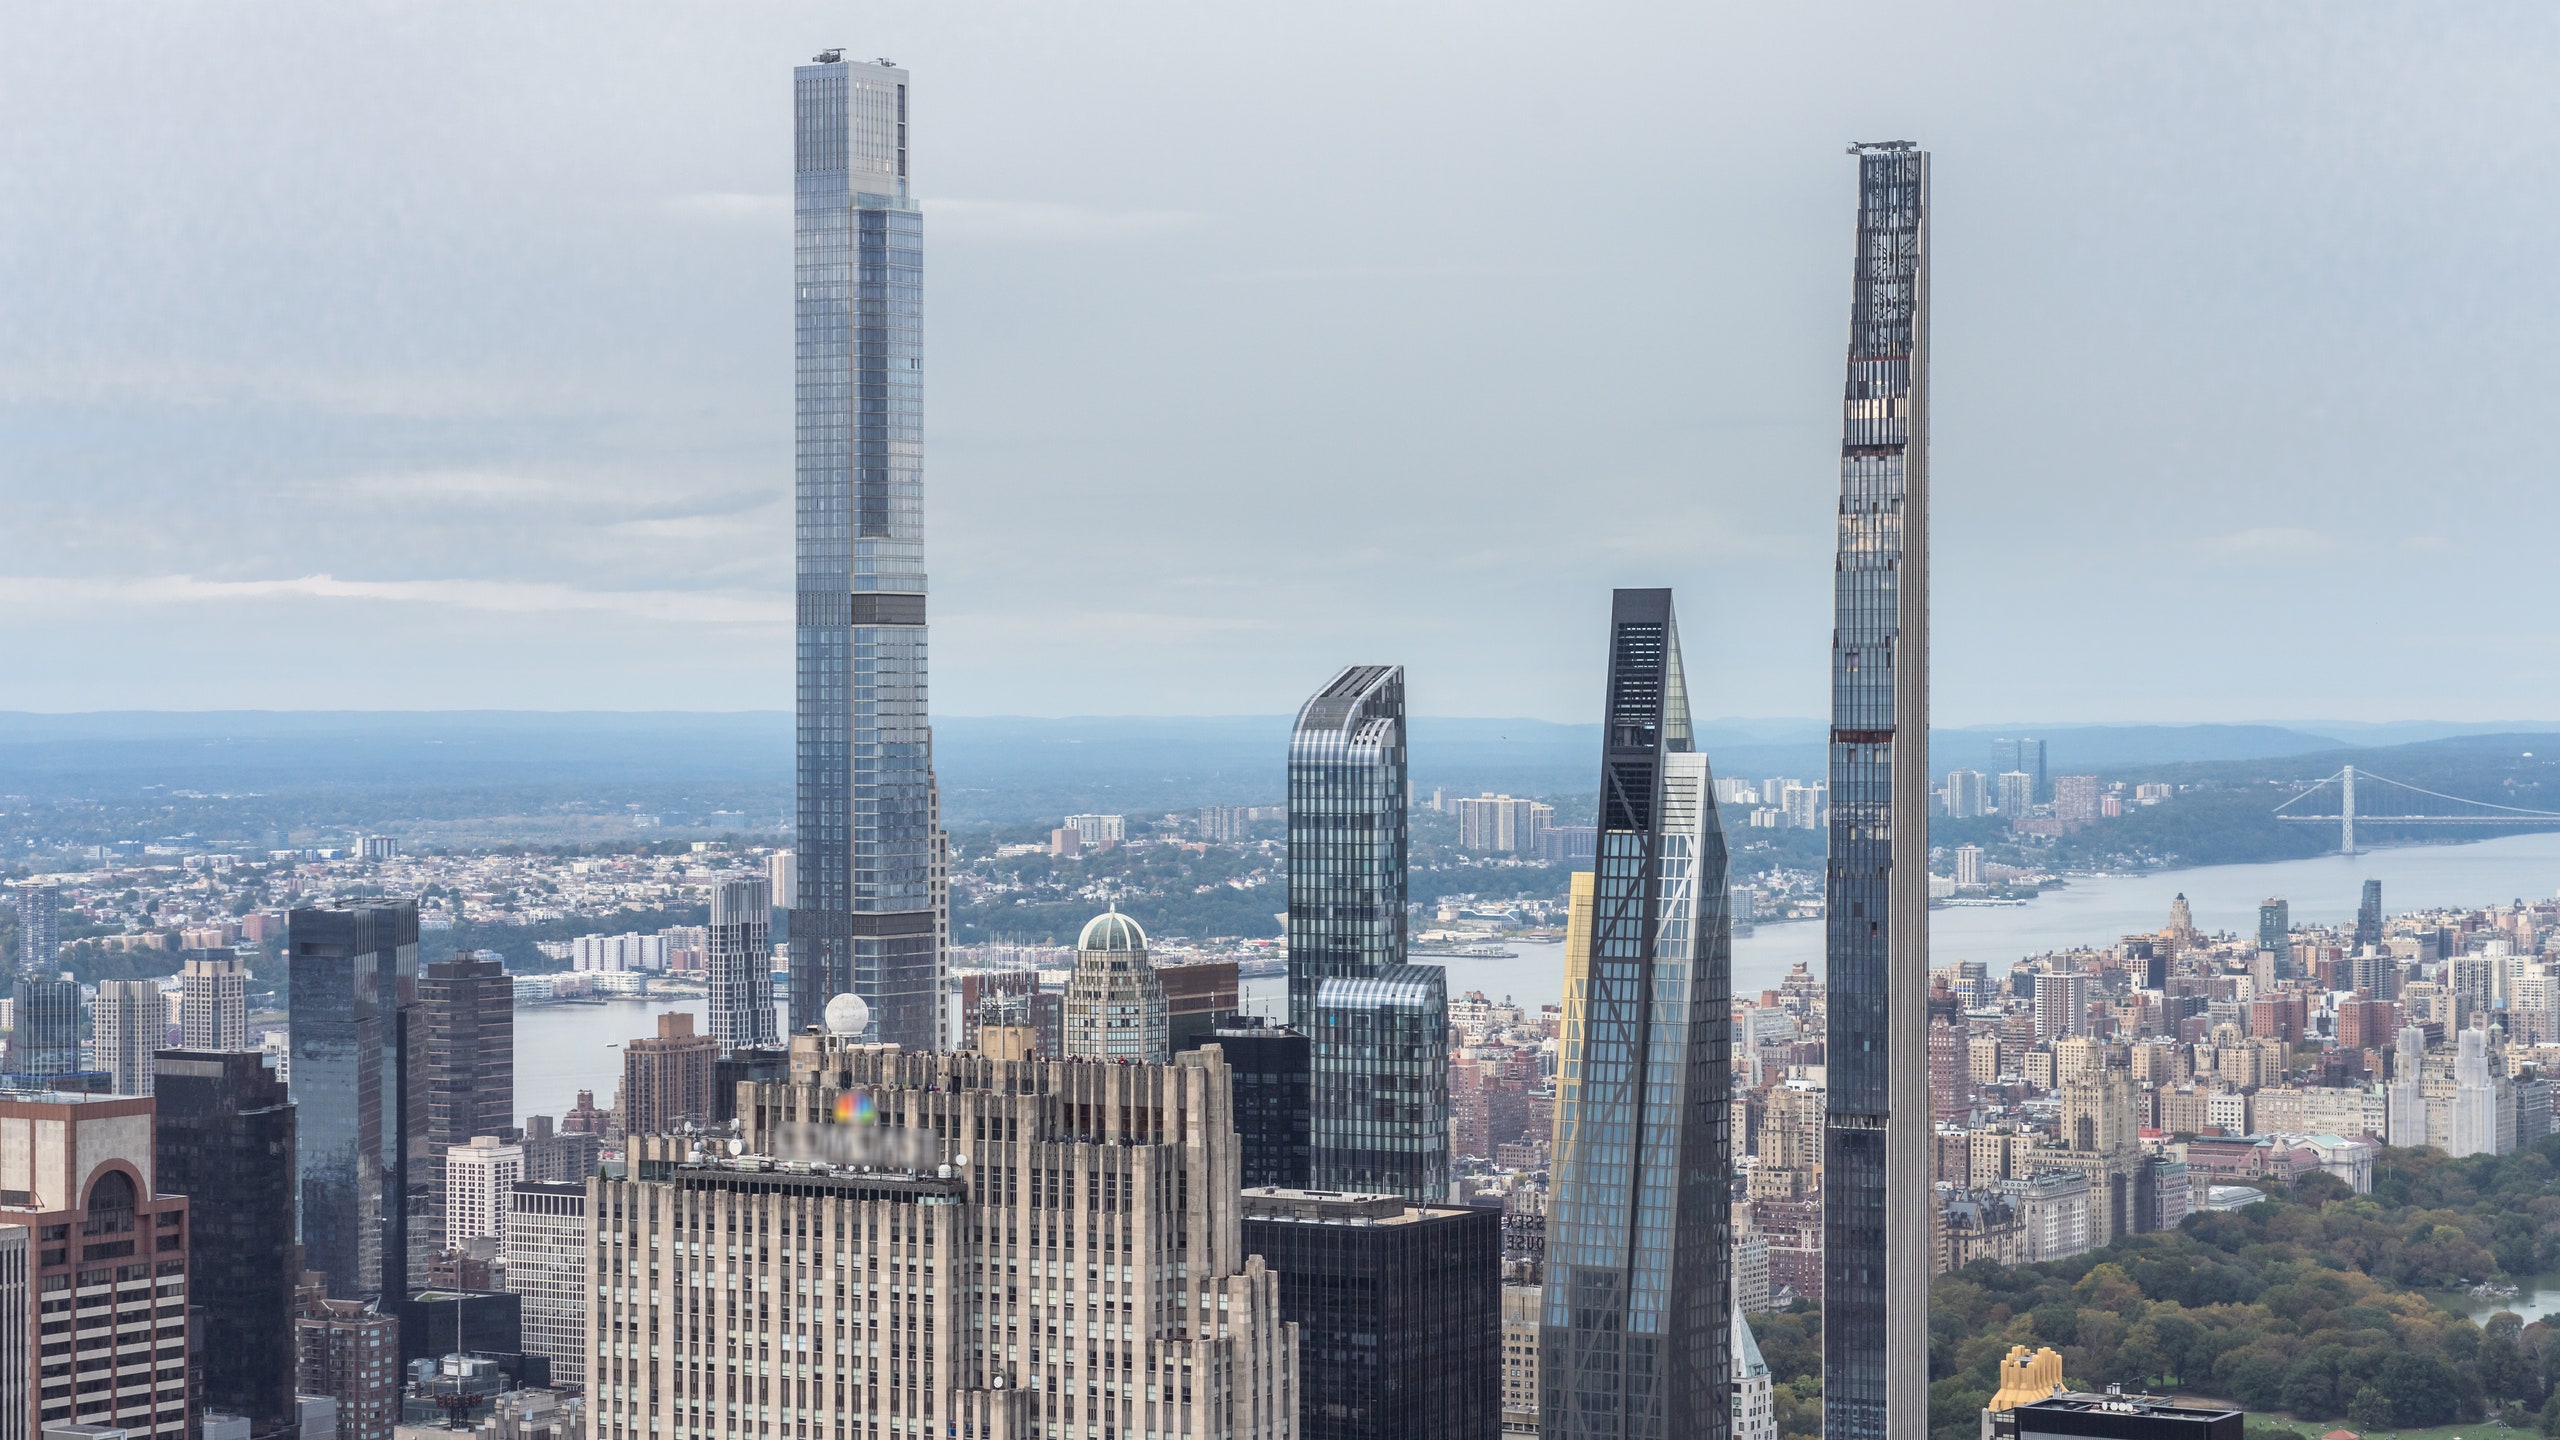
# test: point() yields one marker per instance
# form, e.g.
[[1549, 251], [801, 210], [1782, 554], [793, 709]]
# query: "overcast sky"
[[428, 356]]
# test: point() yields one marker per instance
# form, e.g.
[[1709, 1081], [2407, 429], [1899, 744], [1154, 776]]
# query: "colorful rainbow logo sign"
[[856, 1107]]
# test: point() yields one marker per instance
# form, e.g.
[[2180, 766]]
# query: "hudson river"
[[561, 1049]]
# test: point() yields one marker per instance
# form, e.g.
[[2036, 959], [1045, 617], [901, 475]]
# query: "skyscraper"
[[864, 920], [1115, 1003], [132, 1021], [1347, 847], [2031, 764], [1875, 1184], [667, 1080], [1398, 1308], [213, 1001], [2017, 793], [740, 962], [1379, 1101], [1634, 1342], [479, 1178], [1377, 1026], [224, 1137], [1073, 1168], [39, 926], [468, 1007], [354, 990], [44, 1038], [1964, 794], [2369, 916], [1268, 1064], [77, 1171], [351, 1353], [2275, 927], [547, 1237]]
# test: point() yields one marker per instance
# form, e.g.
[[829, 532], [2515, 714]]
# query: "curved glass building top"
[[863, 921], [1347, 845], [1380, 1092], [1113, 931], [1635, 1334]]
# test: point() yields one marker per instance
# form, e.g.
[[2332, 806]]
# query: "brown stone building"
[[666, 1080], [102, 1271]]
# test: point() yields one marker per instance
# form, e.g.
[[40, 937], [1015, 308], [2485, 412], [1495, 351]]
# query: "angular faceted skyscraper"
[[864, 920], [1636, 1330], [1875, 1178], [1377, 1027]]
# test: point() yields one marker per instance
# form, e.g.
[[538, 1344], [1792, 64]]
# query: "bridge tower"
[[2347, 811]]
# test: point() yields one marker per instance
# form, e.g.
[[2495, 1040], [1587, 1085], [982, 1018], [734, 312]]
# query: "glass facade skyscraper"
[[2275, 929], [864, 921], [44, 1038], [741, 965], [1379, 1101], [1377, 1026], [39, 910], [1347, 845], [1875, 1179], [361, 1122], [223, 1136], [1636, 1326]]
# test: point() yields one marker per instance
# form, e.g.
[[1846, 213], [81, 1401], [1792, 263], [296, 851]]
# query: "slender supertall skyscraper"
[[864, 919], [1875, 1180], [1636, 1330], [1378, 1028]]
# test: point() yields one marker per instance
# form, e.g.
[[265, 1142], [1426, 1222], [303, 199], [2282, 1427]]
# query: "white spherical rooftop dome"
[[848, 1015]]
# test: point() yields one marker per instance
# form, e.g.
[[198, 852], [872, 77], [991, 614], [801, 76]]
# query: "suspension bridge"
[[2401, 804]]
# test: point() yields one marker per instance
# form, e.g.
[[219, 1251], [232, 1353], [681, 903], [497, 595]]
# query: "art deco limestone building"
[[947, 1244]]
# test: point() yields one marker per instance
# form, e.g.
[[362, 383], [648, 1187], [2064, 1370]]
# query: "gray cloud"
[[1258, 341]]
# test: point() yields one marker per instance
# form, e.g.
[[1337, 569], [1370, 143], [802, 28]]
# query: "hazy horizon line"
[[1814, 721]]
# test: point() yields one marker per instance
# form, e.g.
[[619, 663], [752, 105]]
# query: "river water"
[[561, 1049]]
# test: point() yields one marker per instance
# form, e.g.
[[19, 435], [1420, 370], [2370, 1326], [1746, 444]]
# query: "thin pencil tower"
[[869, 919], [1875, 1179]]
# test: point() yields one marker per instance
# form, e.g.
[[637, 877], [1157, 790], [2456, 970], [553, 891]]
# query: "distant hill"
[[377, 767]]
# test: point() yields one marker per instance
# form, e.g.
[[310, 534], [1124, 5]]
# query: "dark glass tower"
[[2369, 916], [354, 990], [864, 921], [1398, 1309], [1875, 1180], [468, 1006], [1268, 1064], [1636, 1330], [224, 1138], [1377, 1027]]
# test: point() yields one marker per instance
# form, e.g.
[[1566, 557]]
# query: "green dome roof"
[[1112, 931]]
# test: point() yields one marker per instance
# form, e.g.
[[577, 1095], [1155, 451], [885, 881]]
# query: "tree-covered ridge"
[[2307, 1303]]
